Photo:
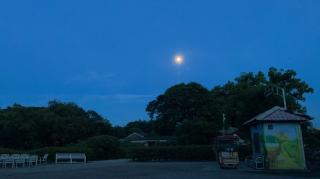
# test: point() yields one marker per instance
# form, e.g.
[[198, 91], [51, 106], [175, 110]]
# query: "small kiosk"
[[276, 135]]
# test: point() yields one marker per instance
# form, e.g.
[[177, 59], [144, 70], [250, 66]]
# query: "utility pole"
[[223, 123], [275, 89], [284, 98]]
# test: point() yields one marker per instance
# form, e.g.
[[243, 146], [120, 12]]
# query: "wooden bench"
[[71, 157]]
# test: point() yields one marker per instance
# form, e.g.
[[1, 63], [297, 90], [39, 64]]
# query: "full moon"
[[178, 59]]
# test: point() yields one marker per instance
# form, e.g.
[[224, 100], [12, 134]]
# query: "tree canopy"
[[187, 109], [58, 124], [180, 102]]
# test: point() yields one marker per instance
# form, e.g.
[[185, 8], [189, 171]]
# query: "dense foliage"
[[180, 102], [194, 113], [58, 124], [96, 148], [189, 112], [139, 126], [101, 147], [311, 137]]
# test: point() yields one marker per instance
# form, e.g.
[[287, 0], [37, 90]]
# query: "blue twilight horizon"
[[116, 56]]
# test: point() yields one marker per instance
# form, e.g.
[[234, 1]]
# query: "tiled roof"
[[134, 136], [138, 136], [278, 114]]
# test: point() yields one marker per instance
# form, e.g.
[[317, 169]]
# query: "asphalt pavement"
[[119, 169]]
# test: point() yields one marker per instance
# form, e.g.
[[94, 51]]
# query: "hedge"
[[177, 153], [8, 151], [96, 148], [107, 147], [101, 147], [180, 153]]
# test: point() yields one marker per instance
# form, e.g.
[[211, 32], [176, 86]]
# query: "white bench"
[[70, 157]]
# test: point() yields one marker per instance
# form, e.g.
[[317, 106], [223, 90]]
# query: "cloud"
[[91, 77], [81, 99], [119, 97]]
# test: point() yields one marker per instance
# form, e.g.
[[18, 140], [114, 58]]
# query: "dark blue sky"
[[116, 56]]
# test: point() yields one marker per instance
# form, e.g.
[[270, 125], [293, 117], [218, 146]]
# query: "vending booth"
[[276, 135]]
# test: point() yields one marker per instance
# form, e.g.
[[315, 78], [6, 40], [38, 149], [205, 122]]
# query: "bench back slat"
[[71, 156]]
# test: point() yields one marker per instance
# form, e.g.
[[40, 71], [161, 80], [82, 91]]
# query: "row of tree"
[[189, 111], [58, 124], [194, 113]]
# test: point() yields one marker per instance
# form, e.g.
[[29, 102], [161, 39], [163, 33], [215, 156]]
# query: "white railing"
[[23, 160]]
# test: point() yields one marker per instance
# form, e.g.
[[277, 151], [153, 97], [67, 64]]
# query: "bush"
[[178, 153], [8, 151], [101, 147], [126, 147], [195, 132], [96, 148]]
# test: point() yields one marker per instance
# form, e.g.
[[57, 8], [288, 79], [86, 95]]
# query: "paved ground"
[[150, 170]]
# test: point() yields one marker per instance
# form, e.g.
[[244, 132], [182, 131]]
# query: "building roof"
[[141, 137], [277, 114], [134, 136], [228, 137]]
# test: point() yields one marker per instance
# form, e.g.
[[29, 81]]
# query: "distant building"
[[138, 138], [276, 134], [134, 137]]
